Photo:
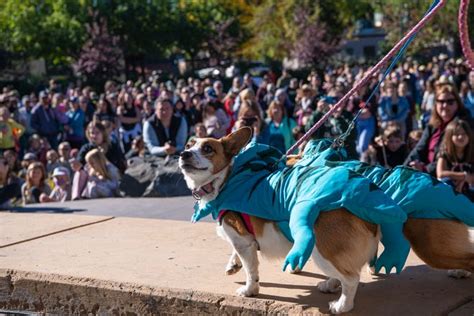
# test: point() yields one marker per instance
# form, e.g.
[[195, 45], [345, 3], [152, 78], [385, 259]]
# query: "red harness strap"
[[245, 219]]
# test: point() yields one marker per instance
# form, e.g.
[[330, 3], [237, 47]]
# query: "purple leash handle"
[[369, 75]]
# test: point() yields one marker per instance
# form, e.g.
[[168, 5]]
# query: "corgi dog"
[[345, 242]]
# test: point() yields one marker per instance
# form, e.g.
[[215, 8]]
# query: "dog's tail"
[[442, 244]]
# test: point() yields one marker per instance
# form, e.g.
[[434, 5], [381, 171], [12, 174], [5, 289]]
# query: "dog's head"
[[205, 158]]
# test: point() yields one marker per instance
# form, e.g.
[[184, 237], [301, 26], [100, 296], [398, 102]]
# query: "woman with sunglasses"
[[448, 105]]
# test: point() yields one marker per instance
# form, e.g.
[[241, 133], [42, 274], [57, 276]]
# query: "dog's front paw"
[[295, 271], [339, 306], [248, 291], [459, 274], [233, 269]]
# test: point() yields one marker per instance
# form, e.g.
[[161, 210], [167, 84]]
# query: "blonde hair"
[[445, 87], [96, 159], [275, 104], [448, 147], [31, 167], [248, 105]]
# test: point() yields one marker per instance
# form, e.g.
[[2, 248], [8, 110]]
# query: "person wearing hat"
[[45, 120], [62, 187]]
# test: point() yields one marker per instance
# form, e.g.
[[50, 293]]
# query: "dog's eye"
[[207, 149]]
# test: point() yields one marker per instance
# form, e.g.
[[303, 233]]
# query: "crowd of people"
[[74, 143]]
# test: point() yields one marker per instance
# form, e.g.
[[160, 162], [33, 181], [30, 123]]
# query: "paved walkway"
[[69, 263]]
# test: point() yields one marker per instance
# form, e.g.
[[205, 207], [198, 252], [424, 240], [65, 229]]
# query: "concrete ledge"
[[56, 294]]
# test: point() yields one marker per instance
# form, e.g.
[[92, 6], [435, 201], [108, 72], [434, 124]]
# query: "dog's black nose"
[[186, 154]]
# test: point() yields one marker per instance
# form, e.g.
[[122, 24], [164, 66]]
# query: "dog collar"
[[201, 191]]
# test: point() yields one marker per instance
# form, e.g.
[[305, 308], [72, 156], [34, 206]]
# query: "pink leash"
[[464, 32], [369, 75]]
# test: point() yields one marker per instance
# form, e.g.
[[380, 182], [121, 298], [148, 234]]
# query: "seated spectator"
[[165, 134], [279, 130], [62, 187], [10, 131], [129, 117], [455, 164], [10, 185], [11, 157], [99, 138], [75, 125], [64, 152], [104, 111], [53, 161], [448, 106], [35, 184], [35, 146], [138, 148], [99, 179], [388, 150]]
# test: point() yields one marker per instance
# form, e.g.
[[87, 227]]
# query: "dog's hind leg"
[[245, 245], [234, 265]]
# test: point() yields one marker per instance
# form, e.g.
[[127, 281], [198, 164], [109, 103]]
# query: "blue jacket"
[[261, 185], [418, 194]]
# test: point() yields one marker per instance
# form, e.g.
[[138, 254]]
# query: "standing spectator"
[[393, 108], [75, 124], [448, 106], [45, 121], [365, 126], [304, 104], [129, 118], [279, 130], [165, 134], [284, 79], [35, 184], [10, 131]]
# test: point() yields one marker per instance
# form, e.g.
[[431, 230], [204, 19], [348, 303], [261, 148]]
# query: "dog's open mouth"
[[190, 167]]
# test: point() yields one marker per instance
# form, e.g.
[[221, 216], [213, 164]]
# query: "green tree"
[[52, 29]]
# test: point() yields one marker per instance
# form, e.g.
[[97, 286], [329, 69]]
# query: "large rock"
[[153, 177]]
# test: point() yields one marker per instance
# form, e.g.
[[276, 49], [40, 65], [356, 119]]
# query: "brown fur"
[[344, 239], [442, 244]]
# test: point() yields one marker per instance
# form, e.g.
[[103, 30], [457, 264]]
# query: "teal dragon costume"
[[261, 185], [417, 193]]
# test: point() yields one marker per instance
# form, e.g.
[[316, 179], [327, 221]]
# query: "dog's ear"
[[234, 142]]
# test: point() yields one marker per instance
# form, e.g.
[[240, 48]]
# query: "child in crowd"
[[62, 186], [389, 150], [413, 138], [35, 184], [455, 164], [53, 161], [98, 179]]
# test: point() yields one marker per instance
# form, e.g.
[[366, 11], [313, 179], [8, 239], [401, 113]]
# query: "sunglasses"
[[447, 101]]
